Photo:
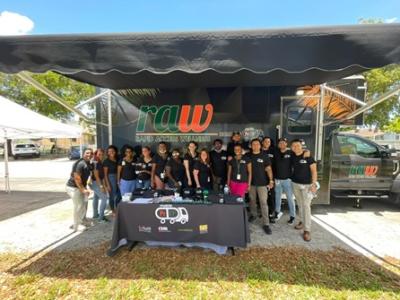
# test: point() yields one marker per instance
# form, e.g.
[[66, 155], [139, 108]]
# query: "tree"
[[71, 91], [380, 81]]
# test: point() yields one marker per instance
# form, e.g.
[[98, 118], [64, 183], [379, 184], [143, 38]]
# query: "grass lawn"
[[274, 273]]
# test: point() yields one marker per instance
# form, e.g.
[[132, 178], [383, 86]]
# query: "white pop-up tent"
[[18, 122]]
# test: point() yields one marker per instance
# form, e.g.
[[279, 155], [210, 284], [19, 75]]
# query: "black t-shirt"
[[218, 162], [301, 169], [283, 164], [128, 169], [160, 163], [141, 165], [98, 166], [239, 169], [111, 165], [177, 169], [191, 160], [83, 168], [259, 162], [204, 173]]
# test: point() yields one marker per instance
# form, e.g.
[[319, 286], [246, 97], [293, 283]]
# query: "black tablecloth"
[[220, 224]]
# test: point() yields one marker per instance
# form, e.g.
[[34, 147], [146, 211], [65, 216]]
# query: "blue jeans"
[[143, 184], [112, 178], [127, 186], [284, 185], [98, 194]]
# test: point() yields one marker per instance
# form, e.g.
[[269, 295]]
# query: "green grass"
[[274, 273]]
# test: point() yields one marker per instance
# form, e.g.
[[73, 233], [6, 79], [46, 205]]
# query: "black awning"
[[222, 58]]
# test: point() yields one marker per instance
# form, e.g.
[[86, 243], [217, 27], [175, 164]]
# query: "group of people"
[[257, 168]]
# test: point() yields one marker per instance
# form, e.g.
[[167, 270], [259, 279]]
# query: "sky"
[[90, 16]]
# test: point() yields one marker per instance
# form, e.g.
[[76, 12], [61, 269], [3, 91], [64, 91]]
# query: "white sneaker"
[[278, 216], [80, 228]]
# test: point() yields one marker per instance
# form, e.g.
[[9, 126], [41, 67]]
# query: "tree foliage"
[[12, 87], [380, 81]]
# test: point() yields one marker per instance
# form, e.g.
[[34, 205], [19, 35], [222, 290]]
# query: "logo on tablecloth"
[[172, 215], [203, 228], [144, 228]]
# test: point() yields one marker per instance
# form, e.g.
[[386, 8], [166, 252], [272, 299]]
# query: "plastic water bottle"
[[205, 195], [226, 189]]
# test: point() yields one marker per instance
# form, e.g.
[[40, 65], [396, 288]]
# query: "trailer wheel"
[[162, 221]]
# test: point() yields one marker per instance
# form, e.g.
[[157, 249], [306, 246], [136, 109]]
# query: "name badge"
[[270, 155], [242, 161], [123, 163], [286, 156], [238, 176], [209, 179], [223, 157], [303, 161], [260, 160], [162, 175]]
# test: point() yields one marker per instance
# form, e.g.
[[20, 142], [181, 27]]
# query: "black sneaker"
[[291, 221], [267, 230], [252, 219]]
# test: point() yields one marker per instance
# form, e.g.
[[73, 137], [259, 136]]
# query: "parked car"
[[26, 150], [74, 152]]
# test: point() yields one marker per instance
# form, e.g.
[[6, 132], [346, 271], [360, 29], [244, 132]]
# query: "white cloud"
[[391, 20], [14, 24]]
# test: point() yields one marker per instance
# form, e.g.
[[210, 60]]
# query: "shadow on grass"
[[20, 202], [337, 270]]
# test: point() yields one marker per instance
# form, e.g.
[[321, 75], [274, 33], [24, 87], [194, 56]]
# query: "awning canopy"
[[18, 122], [297, 56]]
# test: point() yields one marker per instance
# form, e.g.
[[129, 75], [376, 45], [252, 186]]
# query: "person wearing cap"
[[236, 139], [175, 171], [283, 182], [262, 180], [304, 182], [269, 149], [218, 158]]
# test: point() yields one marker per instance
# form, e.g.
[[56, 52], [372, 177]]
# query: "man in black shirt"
[[269, 148], [304, 181], [77, 190], [283, 183], [260, 183], [218, 164]]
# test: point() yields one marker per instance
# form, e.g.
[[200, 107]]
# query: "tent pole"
[[6, 173], [110, 137]]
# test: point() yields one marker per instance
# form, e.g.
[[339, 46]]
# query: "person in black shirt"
[[269, 148], [76, 188], [189, 160], [110, 166], [239, 172], [283, 182], [158, 169], [98, 185], [144, 166], [304, 181], [218, 158], [175, 171], [262, 181], [202, 171], [126, 172]]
